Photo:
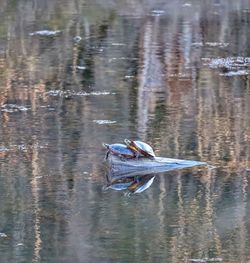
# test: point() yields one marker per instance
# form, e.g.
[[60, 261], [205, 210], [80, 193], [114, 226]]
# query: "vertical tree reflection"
[[144, 70]]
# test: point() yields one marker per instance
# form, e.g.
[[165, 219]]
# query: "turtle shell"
[[120, 150], [140, 147]]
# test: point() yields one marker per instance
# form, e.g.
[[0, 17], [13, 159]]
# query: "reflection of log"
[[127, 168]]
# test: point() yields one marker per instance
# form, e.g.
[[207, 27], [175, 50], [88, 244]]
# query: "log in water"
[[119, 168]]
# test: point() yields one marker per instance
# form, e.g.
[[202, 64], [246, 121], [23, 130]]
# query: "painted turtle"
[[140, 148], [120, 150]]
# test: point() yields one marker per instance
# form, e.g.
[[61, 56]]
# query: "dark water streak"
[[152, 70]]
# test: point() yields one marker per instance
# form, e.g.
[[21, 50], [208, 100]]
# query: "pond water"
[[75, 74]]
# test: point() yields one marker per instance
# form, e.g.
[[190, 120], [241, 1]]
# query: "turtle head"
[[105, 145]]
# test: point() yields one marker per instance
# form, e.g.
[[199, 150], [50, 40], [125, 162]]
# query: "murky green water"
[[172, 73]]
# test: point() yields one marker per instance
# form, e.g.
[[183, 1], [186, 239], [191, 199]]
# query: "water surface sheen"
[[75, 74]]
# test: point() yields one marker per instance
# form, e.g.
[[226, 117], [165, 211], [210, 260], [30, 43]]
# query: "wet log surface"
[[119, 168]]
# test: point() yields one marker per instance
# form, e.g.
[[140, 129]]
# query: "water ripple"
[[229, 62], [10, 108], [47, 33], [3, 235], [62, 93], [101, 122], [236, 73]]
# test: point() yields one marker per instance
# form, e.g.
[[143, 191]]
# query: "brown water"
[[172, 73]]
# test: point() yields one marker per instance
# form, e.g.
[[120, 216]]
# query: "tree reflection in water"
[[172, 73]]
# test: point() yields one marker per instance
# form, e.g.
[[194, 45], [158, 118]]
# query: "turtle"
[[141, 149], [120, 150]]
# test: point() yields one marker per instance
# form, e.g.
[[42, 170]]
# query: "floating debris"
[[117, 44], [197, 44], [54, 93], [77, 39], [93, 93], [236, 73], [19, 244], [129, 77], [180, 76], [22, 147], [210, 44], [80, 67], [3, 235], [122, 58], [157, 12], [229, 63], [201, 260], [3, 149], [187, 5], [26, 147], [97, 49], [38, 177], [49, 107], [211, 167], [65, 93], [47, 33], [101, 122], [216, 44], [13, 108]]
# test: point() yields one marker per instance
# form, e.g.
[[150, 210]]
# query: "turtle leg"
[[106, 156], [123, 158]]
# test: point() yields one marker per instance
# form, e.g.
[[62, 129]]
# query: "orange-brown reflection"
[[134, 73]]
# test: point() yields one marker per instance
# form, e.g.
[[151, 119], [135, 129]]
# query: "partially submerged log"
[[118, 168]]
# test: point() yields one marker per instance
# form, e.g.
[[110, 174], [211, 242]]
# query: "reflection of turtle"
[[140, 148], [120, 150], [120, 184], [134, 185], [141, 184]]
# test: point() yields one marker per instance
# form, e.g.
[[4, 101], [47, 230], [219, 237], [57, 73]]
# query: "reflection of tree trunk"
[[240, 216], [212, 238], [221, 131], [150, 78], [178, 243], [37, 209]]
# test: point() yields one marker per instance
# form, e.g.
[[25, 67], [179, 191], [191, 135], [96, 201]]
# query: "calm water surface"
[[172, 73]]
